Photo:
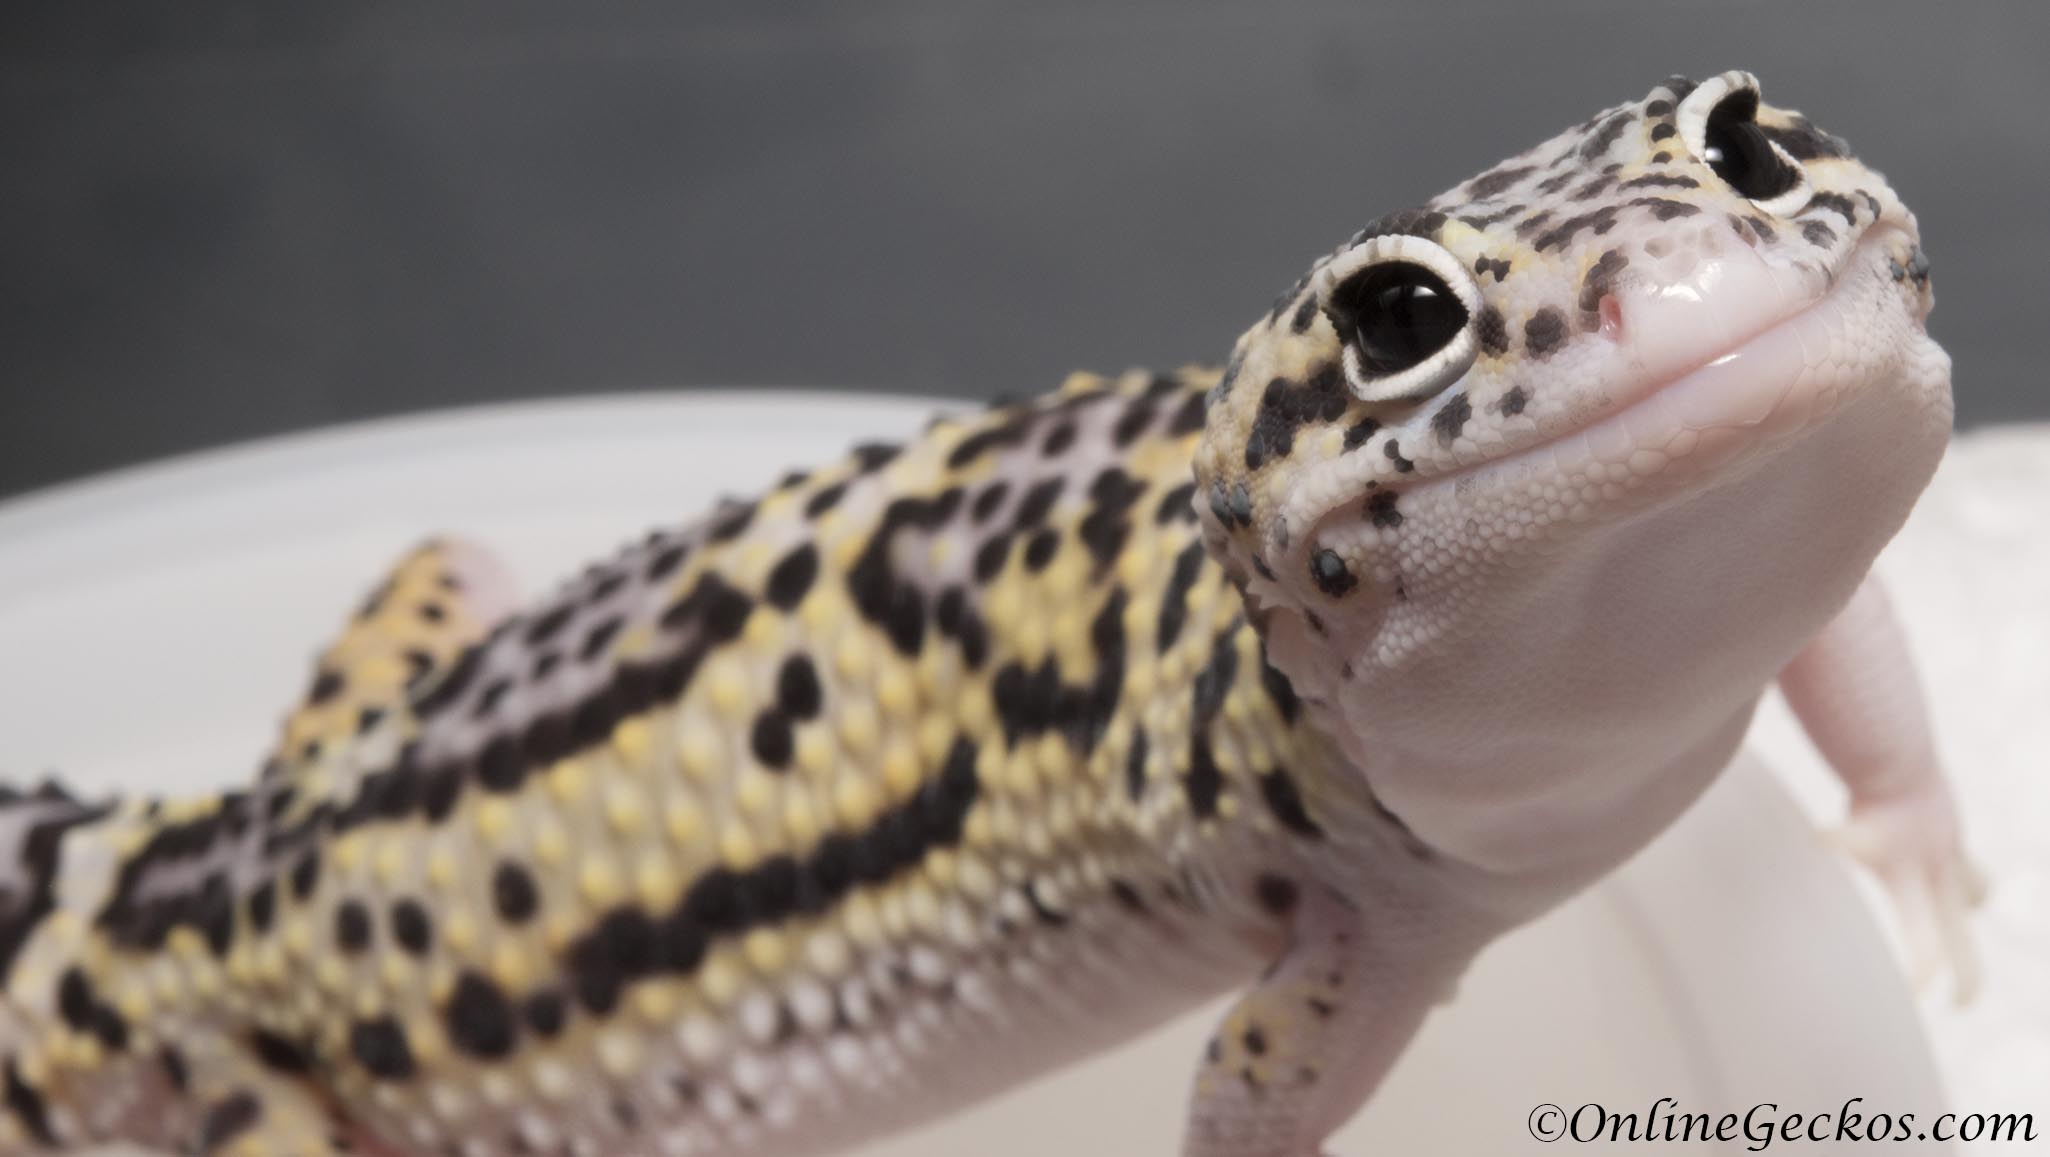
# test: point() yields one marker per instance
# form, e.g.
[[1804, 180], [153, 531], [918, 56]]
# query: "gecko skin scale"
[[954, 760]]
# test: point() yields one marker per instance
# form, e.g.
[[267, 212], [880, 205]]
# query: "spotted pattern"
[[756, 829]]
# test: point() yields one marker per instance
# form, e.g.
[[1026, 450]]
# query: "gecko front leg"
[[1303, 1049], [1853, 687]]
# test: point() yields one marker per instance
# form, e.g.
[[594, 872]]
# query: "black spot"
[[1046, 915], [1205, 781], [433, 612], [326, 685], [279, 1054], [1038, 503], [1665, 208], [1663, 132], [1305, 313], [228, 1119], [1287, 406], [1415, 222], [1133, 422], [1276, 894], [513, 892], [728, 523], [546, 1012], [263, 906], [1836, 203], [772, 740], [1661, 181], [1105, 528], [1279, 688], [1009, 432], [1818, 234], [1254, 1040], [1331, 574], [1278, 788], [1176, 504], [1545, 331], [1135, 767], [443, 693], [1357, 434], [991, 556], [1495, 182], [1174, 602], [352, 926], [1058, 439], [987, 502], [1382, 512], [1128, 896], [500, 766], [380, 1047], [176, 1071], [1596, 284], [665, 561], [481, 1021], [305, 875], [791, 578], [1451, 418], [825, 500], [1040, 549], [870, 457], [1606, 136], [607, 585], [797, 687], [1188, 419], [1515, 400], [410, 926], [1491, 331], [1215, 680]]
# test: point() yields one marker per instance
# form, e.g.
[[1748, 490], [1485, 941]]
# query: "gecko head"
[[1636, 311]]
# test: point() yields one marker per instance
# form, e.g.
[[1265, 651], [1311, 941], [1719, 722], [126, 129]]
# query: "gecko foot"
[[1911, 841]]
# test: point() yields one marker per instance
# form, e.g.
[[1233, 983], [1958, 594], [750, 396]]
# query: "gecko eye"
[[1403, 310], [1719, 122]]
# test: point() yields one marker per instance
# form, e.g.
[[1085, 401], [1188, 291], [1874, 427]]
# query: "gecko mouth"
[[1696, 379]]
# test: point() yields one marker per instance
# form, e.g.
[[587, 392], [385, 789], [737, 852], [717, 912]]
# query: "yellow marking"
[[859, 727], [634, 741], [551, 843], [800, 824], [737, 848], [763, 633], [392, 854], [851, 657], [655, 882], [754, 792], [568, 780], [814, 752], [682, 822], [441, 867], [765, 950], [728, 688], [599, 881], [460, 932], [510, 966], [625, 809], [894, 693], [698, 751], [719, 979], [655, 1003], [900, 770]]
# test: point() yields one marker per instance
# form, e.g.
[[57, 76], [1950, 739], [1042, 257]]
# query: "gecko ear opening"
[[1403, 309]]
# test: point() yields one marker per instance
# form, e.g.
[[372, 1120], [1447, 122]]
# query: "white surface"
[[154, 624]]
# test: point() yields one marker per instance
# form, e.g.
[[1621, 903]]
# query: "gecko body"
[[956, 759]]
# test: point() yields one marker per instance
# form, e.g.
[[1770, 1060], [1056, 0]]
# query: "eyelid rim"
[[1432, 374], [1692, 120]]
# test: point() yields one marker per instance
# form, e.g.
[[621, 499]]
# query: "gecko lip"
[[1725, 351]]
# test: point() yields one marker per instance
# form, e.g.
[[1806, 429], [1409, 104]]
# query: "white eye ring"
[[1440, 369], [1693, 117]]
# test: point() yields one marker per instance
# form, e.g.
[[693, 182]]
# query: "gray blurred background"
[[222, 220]]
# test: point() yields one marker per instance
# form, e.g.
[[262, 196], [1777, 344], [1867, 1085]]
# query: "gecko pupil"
[[1396, 314], [1736, 149]]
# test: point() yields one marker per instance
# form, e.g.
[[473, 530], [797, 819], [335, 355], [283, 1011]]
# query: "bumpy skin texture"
[[956, 759]]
